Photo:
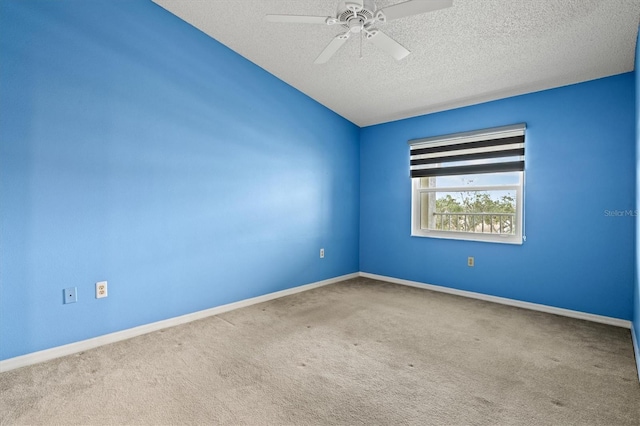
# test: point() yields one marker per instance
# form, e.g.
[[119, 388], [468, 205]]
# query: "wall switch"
[[70, 295], [321, 253], [470, 261], [101, 290]]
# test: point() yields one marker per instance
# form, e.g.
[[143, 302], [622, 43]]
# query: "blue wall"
[[636, 299], [136, 149], [580, 162]]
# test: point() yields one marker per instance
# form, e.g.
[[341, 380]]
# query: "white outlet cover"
[[101, 290]]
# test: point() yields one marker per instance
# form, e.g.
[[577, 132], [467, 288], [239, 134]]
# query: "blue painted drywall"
[[636, 298], [580, 163], [135, 149]]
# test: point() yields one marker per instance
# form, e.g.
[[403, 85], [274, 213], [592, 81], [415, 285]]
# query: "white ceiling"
[[475, 51]]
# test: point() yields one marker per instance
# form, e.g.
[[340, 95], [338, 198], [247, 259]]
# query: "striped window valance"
[[499, 149]]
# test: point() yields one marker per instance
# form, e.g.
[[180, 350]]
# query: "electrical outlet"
[[470, 261], [70, 295], [101, 290], [321, 253]]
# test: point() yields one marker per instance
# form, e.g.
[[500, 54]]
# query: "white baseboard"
[[504, 301], [636, 349], [71, 348]]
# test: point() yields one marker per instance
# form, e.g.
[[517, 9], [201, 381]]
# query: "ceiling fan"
[[361, 17]]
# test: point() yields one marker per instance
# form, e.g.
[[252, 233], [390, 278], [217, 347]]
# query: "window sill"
[[468, 236]]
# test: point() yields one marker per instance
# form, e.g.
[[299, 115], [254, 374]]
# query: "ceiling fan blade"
[[388, 44], [332, 48], [297, 19], [414, 7]]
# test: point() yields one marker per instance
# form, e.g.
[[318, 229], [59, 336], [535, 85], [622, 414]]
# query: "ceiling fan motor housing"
[[360, 12]]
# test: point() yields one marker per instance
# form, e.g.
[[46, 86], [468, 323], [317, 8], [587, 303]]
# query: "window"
[[469, 186]]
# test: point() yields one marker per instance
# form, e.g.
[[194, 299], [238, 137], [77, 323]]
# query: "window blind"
[[499, 149]]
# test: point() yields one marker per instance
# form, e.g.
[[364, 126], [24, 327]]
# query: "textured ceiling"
[[472, 52]]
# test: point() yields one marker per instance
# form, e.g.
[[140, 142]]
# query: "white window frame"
[[463, 149], [416, 214]]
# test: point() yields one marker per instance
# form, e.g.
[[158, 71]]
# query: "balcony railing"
[[484, 223]]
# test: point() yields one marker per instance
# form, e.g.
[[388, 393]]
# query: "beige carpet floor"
[[360, 352]]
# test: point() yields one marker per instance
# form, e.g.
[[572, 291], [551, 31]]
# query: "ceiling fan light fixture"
[[356, 25]]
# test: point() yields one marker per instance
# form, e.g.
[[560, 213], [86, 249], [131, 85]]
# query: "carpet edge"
[[636, 349], [505, 301]]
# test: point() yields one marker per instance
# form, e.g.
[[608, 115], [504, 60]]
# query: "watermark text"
[[621, 213]]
